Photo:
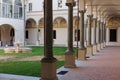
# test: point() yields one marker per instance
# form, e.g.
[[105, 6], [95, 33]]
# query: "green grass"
[[28, 68], [38, 51]]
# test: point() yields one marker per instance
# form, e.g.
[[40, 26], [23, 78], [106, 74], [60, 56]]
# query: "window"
[[54, 34], [59, 3], [26, 34], [20, 12], [77, 35], [4, 10], [30, 7], [113, 35]]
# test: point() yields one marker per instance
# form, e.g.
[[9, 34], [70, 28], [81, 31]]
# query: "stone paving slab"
[[9, 79], [104, 65], [17, 77]]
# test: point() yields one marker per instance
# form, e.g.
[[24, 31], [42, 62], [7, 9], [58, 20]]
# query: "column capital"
[[71, 4]]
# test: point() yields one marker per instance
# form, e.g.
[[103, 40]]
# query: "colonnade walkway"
[[104, 65]]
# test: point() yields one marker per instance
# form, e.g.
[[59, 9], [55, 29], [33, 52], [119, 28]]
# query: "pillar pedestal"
[[48, 69], [90, 51], [98, 47], [69, 60], [37, 42], [101, 45], [95, 48], [104, 44], [82, 54]]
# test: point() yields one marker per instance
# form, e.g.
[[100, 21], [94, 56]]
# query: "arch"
[[41, 23], [31, 23], [59, 22], [7, 38], [113, 22]]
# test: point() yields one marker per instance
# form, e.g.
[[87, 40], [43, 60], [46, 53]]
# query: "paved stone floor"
[[105, 65], [17, 77]]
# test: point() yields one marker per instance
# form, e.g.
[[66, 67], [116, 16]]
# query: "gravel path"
[[30, 58], [38, 58]]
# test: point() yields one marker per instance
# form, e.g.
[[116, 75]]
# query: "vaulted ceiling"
[[110, 8]]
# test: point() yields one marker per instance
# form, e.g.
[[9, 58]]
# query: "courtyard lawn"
[[38, 51], [27, 68]]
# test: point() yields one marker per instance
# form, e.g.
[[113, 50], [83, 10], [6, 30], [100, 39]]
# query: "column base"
[[82, 54], [69, 60], [90, 51], [48, 69], [37, 42], [98, 47], [95, 48], [101, 45], [104, 44]]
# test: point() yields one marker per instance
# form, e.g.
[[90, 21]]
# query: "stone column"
[[82, 49], [98, 44], [38, 41], [48, 63], [101, 35], [95, 43], [104, 35], [69, 54], [90, 46]]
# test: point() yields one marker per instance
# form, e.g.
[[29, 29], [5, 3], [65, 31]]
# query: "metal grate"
[[62, 72]]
